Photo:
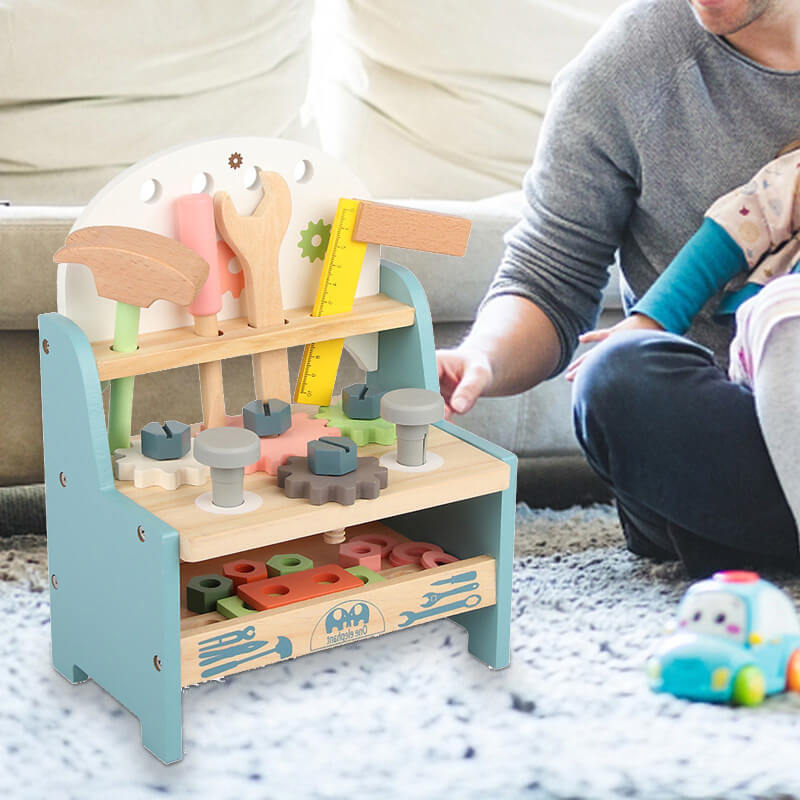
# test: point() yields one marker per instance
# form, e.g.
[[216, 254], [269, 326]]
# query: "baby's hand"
[[635, 322]]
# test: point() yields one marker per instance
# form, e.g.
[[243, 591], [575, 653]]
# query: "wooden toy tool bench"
[[120, 556]]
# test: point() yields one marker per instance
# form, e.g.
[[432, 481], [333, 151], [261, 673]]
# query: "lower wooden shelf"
[[212, 646]]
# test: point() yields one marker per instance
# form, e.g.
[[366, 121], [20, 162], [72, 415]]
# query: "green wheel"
[[749, 687]]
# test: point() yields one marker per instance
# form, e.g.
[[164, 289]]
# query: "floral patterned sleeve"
[[763, 214]]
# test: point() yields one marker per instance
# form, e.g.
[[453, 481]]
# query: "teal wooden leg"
[[115, 606], [473, 527], [65, 666], [465, 529], [406, 357]]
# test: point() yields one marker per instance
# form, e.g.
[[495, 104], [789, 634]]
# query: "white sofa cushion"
[[91, 87], [441, 99]]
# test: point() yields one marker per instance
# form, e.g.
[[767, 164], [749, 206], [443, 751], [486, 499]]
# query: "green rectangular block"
[[232, 607]]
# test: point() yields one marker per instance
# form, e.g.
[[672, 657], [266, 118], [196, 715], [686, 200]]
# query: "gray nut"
[[360, 401], [166, 442], [332, 455], [269, 418]]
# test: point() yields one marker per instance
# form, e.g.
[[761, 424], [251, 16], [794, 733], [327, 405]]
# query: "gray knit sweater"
[[653, 121]]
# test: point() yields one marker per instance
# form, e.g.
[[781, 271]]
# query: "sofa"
[[436, 104]]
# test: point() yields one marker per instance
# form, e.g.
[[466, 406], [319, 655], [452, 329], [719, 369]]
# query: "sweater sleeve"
[[702, 267], [579, 195]]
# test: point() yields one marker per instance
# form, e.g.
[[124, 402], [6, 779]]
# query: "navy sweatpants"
[[681, 448]]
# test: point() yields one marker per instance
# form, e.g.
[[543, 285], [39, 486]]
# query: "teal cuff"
[[702, 267]]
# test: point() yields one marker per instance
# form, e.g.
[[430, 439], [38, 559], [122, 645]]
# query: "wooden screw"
[[334, 537]]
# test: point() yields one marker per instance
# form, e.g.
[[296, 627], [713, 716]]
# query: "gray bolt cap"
[[227, 448], [412, 407]]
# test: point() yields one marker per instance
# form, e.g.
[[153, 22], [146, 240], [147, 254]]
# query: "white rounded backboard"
[[144, 195]]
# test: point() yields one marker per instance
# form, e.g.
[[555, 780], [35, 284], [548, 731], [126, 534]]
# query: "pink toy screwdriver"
[[196, 229]]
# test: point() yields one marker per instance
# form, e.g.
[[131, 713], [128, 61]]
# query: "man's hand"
[[635, 322], [464, 374]]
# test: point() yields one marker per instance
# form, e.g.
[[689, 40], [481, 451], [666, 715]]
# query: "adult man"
[[670, 106]]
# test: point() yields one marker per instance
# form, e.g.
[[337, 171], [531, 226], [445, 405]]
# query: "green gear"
[[306, 244]]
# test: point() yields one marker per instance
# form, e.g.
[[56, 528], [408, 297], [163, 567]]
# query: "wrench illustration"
[[210, 656], [464, 576], [228, 638], [283, 648], [431, 598], [413, 616]]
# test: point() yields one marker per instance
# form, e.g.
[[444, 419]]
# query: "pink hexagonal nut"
[[383, 540], [360, 553]]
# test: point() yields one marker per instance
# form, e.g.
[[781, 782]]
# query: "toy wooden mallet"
[[196, 229], [135, 268], [256, 241]]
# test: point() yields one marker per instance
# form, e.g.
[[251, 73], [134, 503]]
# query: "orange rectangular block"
[[286, 589], [411, 228]]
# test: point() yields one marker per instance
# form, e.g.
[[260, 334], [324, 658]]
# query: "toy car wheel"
[[749, 686], [793, 672]]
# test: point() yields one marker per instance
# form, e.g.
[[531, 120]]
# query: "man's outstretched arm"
[[499, 357]]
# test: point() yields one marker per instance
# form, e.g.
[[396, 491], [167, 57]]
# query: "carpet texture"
[[412, 713]]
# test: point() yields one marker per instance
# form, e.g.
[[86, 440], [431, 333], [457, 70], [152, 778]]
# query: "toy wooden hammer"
[[135, 268]]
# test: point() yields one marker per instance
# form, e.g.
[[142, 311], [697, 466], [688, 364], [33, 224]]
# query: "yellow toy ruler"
[[335, 294]]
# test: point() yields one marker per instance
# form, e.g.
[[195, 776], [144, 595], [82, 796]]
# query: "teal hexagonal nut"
[[203, 592], [286, 563], [269, 418], [360, 401], [166, 442], [332, 455]]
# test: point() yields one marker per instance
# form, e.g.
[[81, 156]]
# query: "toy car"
[[736, 639]]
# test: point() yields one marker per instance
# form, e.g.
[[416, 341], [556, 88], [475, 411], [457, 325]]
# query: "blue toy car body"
[[736, 639]]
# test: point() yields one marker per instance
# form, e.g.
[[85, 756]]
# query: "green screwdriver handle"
[[120, 402]]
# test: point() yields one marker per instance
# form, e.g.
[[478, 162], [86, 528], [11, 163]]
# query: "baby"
[[749, 243]]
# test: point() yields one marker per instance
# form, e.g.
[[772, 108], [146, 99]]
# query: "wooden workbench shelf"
[[181, 347], [401, 600]]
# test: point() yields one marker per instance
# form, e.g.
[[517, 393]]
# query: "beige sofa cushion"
[[28, 238], [90, 87], [441, 99]]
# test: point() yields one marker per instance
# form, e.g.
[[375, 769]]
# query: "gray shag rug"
[[412, 714]]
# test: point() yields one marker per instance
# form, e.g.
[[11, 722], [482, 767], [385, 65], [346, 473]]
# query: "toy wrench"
[[227, 638], [283, 648], [431, 598], [414, 616], [210, 656], [256, 242], [464, 576]]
